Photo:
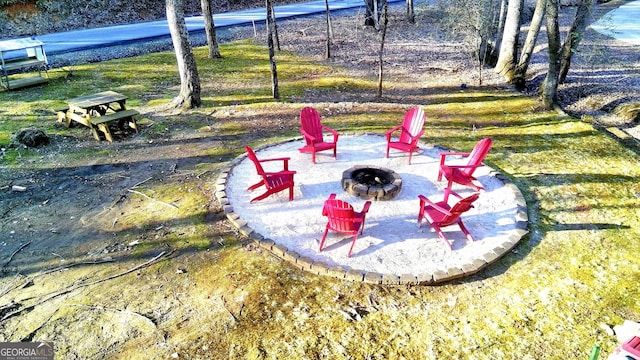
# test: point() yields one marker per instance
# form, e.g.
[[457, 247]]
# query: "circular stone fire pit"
[[371, 182]]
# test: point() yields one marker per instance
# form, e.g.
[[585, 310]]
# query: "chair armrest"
[[333, 132], [392, 130], [448, 191], [461, 166], [283, 172], [443, 156], [285, 160], [425, 201], [276, 159], [366, 206], [452, 153]]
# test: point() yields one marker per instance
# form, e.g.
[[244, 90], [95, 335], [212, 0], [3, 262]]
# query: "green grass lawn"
[[576, 270]]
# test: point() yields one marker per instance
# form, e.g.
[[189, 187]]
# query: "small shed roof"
[[17, 44]]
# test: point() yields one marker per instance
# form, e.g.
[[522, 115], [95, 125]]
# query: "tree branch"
[[15, 252], [127, 312], [75, 287], [150, 198]]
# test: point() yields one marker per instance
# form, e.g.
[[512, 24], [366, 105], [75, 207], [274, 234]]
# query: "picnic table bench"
[[97, 111], [102, 122]]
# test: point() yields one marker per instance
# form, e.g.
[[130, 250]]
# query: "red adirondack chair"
[[440, 214], [313, 132], [274, 182], [410, 132], [463, 174], [343, 219]]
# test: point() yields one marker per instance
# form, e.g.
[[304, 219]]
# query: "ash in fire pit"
[[371, 182]]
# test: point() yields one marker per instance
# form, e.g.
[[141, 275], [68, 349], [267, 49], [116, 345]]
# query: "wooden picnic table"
[[96, 111]]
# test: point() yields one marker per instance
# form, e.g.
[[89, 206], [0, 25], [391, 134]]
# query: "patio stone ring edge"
[[474, 265]]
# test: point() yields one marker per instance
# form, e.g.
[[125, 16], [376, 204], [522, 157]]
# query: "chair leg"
[[387, 149], [444, 238], [361, 227], [442, 158], [465, 231], [421, 213], [256, 185], [355, 236], [313, 156], [291, 193], [263, 196], [475, 187], [324, 236], [446, 193]]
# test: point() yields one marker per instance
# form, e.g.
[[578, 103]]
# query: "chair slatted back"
[[274, 180], [413, 123], [252, 156], [458, 209], [341, 216], [477, 155], [310, 122]]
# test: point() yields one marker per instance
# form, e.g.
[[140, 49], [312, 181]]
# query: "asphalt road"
[[621, 23], [69, 41]]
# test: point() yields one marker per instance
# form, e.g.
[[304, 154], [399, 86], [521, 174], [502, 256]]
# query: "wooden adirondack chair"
[[440, 214], [343, 219], [274, 182], [463, 174], [312, 131], [410, 132]]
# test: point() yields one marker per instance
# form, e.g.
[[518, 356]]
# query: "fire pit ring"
[[370, 182]]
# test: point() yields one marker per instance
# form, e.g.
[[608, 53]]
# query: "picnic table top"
[[93, 100]]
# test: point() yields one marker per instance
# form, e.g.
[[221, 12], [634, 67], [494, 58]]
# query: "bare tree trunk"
[[482, 56], [509, 47], [499, 31], [189, 96], [411, 14], [573, 37], [372, 13], [550, 84], [272, 60], [327, 53], [382, 38], [210, 29], [529, 44], [276, 36]]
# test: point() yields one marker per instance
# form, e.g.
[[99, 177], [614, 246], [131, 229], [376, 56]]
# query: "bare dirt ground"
[[61, 234]]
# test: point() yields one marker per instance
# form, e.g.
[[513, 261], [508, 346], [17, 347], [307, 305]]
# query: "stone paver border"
[[341, 272]]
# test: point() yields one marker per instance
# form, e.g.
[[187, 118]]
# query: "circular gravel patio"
[[392, 248]]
